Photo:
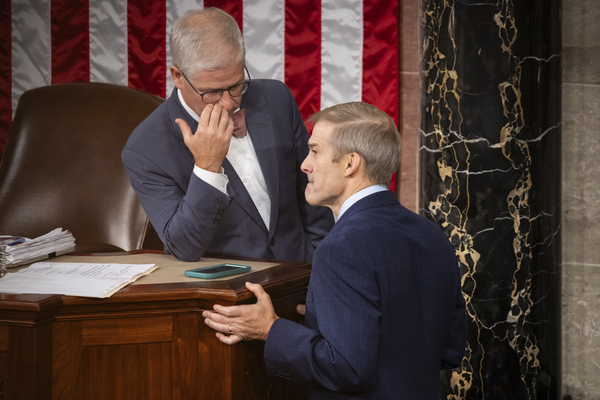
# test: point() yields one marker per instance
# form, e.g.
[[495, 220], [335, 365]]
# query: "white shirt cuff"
[[218, 181]]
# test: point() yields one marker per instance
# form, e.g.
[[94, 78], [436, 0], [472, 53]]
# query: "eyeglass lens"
[[235, 91]]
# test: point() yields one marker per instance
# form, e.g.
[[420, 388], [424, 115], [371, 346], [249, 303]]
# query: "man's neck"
[[351, 189]]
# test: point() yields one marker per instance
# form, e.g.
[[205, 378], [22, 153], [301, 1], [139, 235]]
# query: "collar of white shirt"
[[186, 107], [361, 194]]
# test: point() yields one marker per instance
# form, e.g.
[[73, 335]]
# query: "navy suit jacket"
[[192, 217], [384, 309]]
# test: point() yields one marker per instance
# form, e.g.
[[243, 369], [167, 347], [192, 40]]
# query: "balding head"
[[208, 39]]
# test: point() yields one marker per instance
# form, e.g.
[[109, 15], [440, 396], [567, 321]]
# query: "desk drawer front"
[[127, 331]]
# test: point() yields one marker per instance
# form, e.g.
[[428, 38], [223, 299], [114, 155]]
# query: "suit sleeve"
[[317, 221], [185, 221], [342, 355], [454, 345]]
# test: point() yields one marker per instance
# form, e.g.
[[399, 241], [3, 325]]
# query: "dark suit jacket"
[[384, 309], [191, 217]]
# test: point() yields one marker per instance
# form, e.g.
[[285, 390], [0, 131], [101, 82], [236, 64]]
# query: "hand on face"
[[246, 322], [210, 144]]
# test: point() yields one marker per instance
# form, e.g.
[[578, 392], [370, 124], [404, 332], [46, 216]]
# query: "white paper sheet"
[[74, 279]]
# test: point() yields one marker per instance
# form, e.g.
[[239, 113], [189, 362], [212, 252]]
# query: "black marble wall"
[[490, 177]]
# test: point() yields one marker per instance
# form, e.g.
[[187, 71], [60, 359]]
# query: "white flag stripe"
[[264, 37], [341, 51], [31, 46], [175, 10], [108, 41]]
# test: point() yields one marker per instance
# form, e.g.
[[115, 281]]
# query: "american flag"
[[327, 51]]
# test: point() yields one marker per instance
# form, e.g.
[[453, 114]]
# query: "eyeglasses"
[[214, 95]]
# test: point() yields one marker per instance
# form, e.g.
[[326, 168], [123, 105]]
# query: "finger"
[[185, 128], [233, 311], [219, 327], [230, 126], [228, 339], [301, 309], [215, 116], [210, 314], [216, 318], [205, 115], [257, 289], [225, 118]]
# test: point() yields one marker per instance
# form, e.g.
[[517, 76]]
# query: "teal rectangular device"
[[217, 271]]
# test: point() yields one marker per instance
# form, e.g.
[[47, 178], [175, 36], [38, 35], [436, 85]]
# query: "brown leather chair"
[[62, 166]]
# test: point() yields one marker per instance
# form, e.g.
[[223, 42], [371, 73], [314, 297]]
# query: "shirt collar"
[[358, 196]]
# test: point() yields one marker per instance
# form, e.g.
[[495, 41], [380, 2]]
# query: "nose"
[[305, 167], [226, 101]]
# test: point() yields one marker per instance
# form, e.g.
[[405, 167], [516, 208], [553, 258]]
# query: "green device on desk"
[[217, 271]]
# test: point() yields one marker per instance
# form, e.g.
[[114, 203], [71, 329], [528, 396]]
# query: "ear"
[[353, 163], [177, 77]]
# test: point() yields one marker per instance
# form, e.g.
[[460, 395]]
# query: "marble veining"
[[490, 131]]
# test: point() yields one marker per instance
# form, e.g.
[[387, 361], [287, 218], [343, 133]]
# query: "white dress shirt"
[[244, 161]]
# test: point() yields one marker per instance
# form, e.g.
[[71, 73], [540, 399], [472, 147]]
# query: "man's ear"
[[352, 164], [177, 77]]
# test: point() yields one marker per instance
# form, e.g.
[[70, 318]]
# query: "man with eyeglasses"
[[217, 165]]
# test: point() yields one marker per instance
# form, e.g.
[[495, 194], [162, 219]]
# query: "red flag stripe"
[[146, 33], [5, 73], [303, 54], [380, 55], [380, 58], [69, 29]]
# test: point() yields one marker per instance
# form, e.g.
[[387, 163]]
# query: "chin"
[[309, 198]]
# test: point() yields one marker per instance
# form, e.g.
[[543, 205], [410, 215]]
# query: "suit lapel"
[[241, 195], [262, 134], [176, 110]]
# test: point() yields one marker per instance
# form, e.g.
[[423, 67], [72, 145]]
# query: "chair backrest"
[[62, 165]]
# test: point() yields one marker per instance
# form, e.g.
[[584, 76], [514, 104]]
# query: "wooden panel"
[[29, 355], [127, 331], [66, 362], [186, 382], [221, 367], [3, 338], [3, 372], [129, 371]]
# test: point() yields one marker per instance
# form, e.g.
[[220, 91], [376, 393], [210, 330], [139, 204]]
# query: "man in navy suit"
[[206, 191], [384, 309]]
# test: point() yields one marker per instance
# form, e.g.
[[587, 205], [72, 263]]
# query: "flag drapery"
[[327, 51]]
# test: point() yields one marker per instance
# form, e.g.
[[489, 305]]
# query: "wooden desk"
[[147, 341]]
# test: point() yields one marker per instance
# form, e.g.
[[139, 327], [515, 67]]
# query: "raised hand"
[[210, 144]]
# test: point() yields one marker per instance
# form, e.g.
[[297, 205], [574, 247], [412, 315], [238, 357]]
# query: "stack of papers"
[[17, 251], [74, 279]]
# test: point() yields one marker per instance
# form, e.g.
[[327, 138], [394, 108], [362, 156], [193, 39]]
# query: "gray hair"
[[207, 39], [364, 129]]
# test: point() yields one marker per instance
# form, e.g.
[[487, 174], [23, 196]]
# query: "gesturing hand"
[[246, 322], [210, 143]]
